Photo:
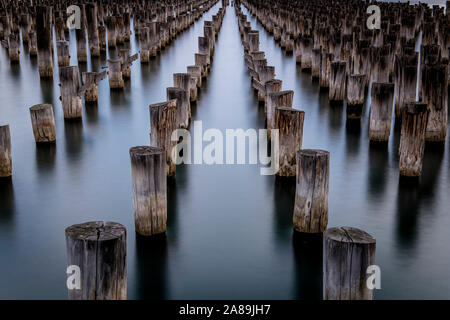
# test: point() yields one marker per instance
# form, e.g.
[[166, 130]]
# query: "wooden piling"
[[43, 123], [144, 44], [347, 253], [62, 48], [183, 110], [90, 81], [5, 152], [99, 250], [382, 95], [13, 47], [289, 121], [355, 95], [311, 195], [337, 82], [196, 72], [92, 28], [149, 185], [163, 121], [115, 74], [277, 99], [70, 98], [412, 139], [44, 38]]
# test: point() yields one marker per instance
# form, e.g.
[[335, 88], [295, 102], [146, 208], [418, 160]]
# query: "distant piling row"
[[343, 248], [347, 57]]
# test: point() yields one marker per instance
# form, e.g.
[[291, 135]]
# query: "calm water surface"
[[229, 228]]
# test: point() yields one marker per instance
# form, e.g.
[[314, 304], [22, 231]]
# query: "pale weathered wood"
[[62, 48], [355, 95], [43, 123], [183, 111], [163, 121], [5, 152], [99, 249], [44, 38], [71, 101], [382, 95], [347, 253], [149, 184], [412, 139], [337, 82], [311, 195], [277, 99], [115, 76], [289, 122]]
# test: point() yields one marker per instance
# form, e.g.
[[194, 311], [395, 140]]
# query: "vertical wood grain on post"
[[5, 152], [337, 82], [183, 111], [382, 95], [163, 121], [44, 38], [149, 185], [311, 195], [43, 123], [92, 28], [347, 253], [277, 99], [289, 121], [355, 95], [62, 48], [412, 139], [99, 249], [115, 74], [71, 101]]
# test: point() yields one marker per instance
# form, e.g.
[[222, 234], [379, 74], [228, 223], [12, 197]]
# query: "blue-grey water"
[[229, 229]]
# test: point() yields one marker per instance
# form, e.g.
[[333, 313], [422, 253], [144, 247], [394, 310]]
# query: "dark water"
[[229, 228]]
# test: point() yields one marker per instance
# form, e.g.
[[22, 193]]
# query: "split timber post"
[[202, 60], [44, 38], [163, 121], [289, 121], [355, 95], [115, 74], [92, 27], [435, 94], [347, 253], [43, 123], [381, 111], [149, 185], [71, 101], [337, 82], [412, 139], [99, 249], [62, 48], [277, 99], [311, 194], [91, 80], [5, 152], [183, 111]]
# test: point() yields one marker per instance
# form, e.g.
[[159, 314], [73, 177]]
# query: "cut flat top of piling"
[[145, 150], [349, 234], [40, 106], [289, 109], [163, 104], [415, 107], [96, 231], [313, 152]]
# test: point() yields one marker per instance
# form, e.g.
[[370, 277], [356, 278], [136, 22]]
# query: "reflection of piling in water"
[[149, 185], [289, 121], [99, 250], [311, 195], [382, 95], [5, 152], [43, 123], [347, 253], [412, 139], [163, 121]]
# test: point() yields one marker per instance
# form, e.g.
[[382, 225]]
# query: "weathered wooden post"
[[115, 74], [347, 253], [91, 80], [412, 139], [311, 195], [382, 95], [337, 82], [110, 23], [435, 94], [144, 44], [163, 121], [183, 81], [13, 47], [59, 29], [44, 38], [70, 98], [62, 48], [32, 44], [92, 28], [355, 95], [102, 38], [196, 72], [204, 48], [149, 185], [183, 111], [277, 99], [80, 35], [99, 250], [124, 55], [271, 86], [202, 61], [325, 67], [43, 123], [315, 63], [289, 121], [5, 152]]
